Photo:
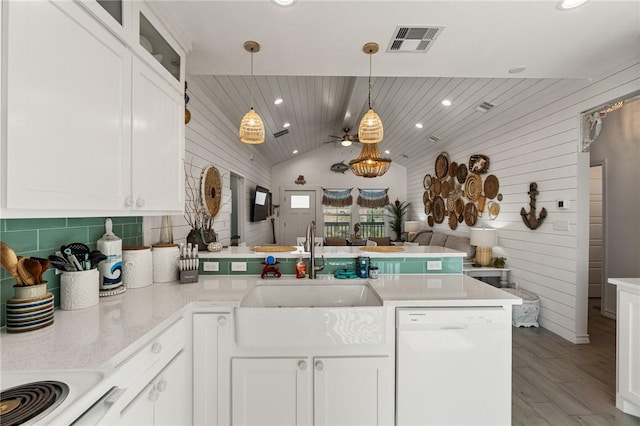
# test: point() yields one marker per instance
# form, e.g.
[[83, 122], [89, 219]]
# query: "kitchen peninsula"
[[136, 339]]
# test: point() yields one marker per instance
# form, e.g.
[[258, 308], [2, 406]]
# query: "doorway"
[[596, 234], [236, 184], [298, 209]]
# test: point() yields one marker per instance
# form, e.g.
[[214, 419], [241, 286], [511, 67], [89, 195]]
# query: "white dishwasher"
[[453, 366]]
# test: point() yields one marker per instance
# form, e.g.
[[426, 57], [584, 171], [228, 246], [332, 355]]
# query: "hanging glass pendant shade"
[[251, 127], [370, 163], [370, 129]]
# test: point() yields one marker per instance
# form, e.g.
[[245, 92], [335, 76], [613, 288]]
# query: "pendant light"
[[251, 127], [370, 129], [370, 163]]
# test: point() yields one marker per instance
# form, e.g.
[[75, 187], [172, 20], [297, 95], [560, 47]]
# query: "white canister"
[[137, 270], [165, 262], [111, 269], [79, 289]]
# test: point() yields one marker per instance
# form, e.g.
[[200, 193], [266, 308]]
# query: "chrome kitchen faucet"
[[310, 246]]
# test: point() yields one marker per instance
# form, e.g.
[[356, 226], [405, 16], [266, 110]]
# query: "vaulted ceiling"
[[312, 58]]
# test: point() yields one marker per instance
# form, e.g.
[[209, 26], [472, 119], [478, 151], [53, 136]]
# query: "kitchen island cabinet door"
[[68, 110], [353, 391], [157, 142], [270, 391], [211, 368]]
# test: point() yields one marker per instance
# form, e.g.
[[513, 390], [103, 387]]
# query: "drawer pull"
[[156, 348], [302, 365], [128, 202], [162, 385], [140, 202], [222, 320], [319, 366], [153, 394]]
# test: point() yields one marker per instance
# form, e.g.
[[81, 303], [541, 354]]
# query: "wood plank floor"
[[558, 383]]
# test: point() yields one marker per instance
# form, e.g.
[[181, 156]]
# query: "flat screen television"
[[260, 204]]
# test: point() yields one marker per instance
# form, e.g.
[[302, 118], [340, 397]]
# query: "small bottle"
[[301, 268], [373, 272]]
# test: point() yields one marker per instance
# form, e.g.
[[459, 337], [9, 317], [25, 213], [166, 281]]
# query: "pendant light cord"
[[252, 79], [370, 80]]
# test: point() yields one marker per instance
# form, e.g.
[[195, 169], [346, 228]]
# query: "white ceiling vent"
[[484, 106], [433, 139], [413, 39]]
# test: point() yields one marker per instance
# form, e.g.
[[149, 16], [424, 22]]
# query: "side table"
[[488, 271]]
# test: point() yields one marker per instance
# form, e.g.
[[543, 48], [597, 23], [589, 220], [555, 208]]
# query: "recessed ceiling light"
[[570, 4], [419, 125], [517, 70], [287, 124], [345, 143], [278, 101], [386, 151], [295, 151], [284, 2], [446, 102]]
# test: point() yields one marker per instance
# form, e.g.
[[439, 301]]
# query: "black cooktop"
[[23, 404]]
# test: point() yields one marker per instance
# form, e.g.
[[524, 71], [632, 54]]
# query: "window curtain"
[[337, 197], [373, 198]]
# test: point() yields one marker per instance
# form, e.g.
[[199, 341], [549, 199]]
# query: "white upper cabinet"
[[94, 122]]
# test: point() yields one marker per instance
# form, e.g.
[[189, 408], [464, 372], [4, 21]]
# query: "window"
[[372, 222], [337, 221], [300, 202]]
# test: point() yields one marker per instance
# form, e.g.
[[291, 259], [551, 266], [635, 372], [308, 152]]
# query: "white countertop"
[[106, 334], [335, 252], [632, 283]]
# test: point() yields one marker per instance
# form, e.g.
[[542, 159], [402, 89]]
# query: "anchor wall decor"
[[530, 219]]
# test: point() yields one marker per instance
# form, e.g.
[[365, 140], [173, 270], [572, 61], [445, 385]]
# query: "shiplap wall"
[[212, 140], [537, 140]]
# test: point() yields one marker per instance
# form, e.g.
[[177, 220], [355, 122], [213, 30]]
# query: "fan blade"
[[337, 137]]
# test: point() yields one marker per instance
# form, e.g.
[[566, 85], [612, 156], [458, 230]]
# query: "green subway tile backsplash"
[[42, 237]]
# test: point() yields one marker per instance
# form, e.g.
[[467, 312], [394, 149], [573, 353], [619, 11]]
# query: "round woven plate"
[[430, 220], [453, 221], [211, 187], [438, 209], [461, 175], [273, 249], [427, 207], [494, 209], [426, 181], [473, 187], [453, 169], [442, 165], [451, 204], [437, 187], [470, 214], [425, 197], [459, 206], [491, 186], [445, 189]]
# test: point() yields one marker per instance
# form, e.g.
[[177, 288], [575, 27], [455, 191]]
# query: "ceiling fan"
[[346, 139]]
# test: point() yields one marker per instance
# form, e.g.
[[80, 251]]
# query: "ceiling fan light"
[[251, 128], [370, 129], [345, 143]]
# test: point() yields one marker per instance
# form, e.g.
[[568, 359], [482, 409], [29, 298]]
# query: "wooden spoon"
[[29, 270], [44, 264], [9, 261]]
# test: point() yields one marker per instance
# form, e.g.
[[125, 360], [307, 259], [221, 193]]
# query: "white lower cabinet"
[[306, 391], [212, 334], [164, 400], [628, 348]]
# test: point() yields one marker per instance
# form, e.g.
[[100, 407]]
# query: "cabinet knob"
[[222, 320], [302, 365], [140, 202], [319, 366], [162, 385], [128, 202], [156, 348]]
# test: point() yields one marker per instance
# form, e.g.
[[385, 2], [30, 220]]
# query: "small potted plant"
[[499, 262]]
